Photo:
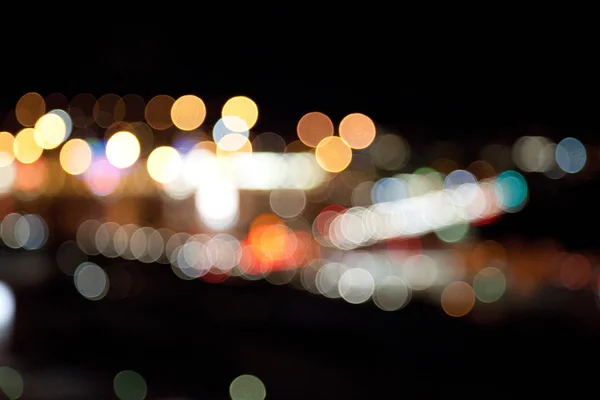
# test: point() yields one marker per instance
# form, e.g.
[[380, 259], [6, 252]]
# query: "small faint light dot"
[[489, 285], [575, 272], [69, 256], [158, 112], [91, 281], [129, 385], [287, 203], [247, 387], [104, 110], [11, 383], [453, 233], [269, 142], [390, 152], [30, 107], [391, 294], [458, 299]]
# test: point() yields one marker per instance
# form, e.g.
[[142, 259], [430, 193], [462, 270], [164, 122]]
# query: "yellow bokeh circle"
[[188, 112], [333, 154], [164, 164], [243, 108], [75, 156], [122, 149], [25, 148]]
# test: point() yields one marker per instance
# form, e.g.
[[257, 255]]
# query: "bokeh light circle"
[[230, 125], [391, 294], [158, 112], [247, 387], [129, 385], [188, 112], [333, 154], [164, 164], [122, 149], [75, 156], [571, 155], [390, 152], [30, 107], [50, 131], [243, 108], [91, 281], [313, 128], [11, 383], [7, 143], [26, 149], [511, 190], [489, 284], [357, 130], [458, 299]]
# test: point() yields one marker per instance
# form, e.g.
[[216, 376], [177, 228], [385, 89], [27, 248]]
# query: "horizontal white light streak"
[[415, 216], [251, 171], [266, 171]]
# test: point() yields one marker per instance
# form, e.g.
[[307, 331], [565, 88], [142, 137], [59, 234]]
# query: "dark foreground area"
[[190, 339]]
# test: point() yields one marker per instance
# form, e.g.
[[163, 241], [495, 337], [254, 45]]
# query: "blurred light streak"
[[7, 313], [415, 216]]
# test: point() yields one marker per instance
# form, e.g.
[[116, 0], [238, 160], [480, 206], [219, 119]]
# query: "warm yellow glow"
[[122, 149], [164, 164], [207, 145], [30, 107], [76, 156], [25, 147], [50, 131], [188, 112], [357, 130], [233, 143], [7, 141], [243, 108], [158, 112], [333, 154]]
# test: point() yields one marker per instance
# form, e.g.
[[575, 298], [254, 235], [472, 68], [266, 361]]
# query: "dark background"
[[192, 338]]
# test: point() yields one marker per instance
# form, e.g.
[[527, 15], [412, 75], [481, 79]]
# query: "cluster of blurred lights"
[[456, 277], [28, 231], [541, 154], [269, 247], [131, 385], [116, 146], [119, 146], [231, 133], [388, 277], [448, 212]]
